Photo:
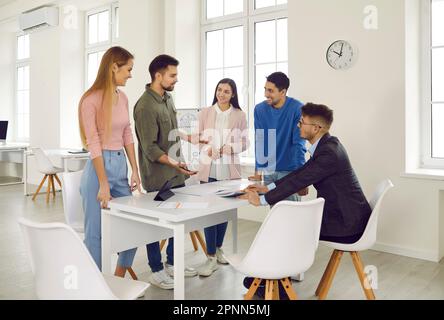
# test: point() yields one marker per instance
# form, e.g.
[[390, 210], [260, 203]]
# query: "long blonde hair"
[[105, 83]]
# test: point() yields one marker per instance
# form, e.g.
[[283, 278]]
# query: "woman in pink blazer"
[[224, 127]]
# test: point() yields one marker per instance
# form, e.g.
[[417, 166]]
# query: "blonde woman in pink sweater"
[[105, 131]]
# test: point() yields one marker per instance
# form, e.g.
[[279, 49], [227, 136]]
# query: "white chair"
[[72, 204], [285, 245], [64, 270], [72, 201], [46, 167], [367, 240]]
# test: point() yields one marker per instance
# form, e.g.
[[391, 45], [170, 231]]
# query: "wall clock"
[[341, 55]]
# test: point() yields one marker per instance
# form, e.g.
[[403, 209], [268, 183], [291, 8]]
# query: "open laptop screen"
[[3, 130]]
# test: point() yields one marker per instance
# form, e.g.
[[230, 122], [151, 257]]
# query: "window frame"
[[426, 159], [92, 12], [269, 16], [224, 18], [20, 63], [114, 25], [270, 9], [216, 27], [99, 46]]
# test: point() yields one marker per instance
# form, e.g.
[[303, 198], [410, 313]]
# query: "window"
[[222, 61], [437, 53], [22, 89], [246, 41], [269, 59], [223, 8], [102, 31], [433, 116], [259, 4]]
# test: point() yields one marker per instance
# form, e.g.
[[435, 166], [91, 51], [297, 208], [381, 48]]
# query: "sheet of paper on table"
[[182, 205], [197, 190]]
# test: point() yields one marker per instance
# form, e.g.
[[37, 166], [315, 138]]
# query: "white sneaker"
[[208, 267], [162, 280], [220, 256], [189, 272], [141, 295]]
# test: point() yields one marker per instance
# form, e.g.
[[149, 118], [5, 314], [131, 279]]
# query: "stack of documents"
[[229, 193]]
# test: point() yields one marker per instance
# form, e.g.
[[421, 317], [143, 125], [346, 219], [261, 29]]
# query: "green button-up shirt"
[[155, 117]]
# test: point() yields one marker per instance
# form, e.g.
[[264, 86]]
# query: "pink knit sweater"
[[121, 134]]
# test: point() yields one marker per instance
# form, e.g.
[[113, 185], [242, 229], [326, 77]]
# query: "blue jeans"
[[154, 254], [272, 178], [214, 236], [117, 172]]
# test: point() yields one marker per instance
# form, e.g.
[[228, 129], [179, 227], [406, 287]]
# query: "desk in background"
[[62, 154], [13, 153]]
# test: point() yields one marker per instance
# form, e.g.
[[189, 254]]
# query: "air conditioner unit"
[[39, 18]]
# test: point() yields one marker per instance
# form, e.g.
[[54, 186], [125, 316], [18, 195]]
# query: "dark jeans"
[[214, 236], [154, 254]]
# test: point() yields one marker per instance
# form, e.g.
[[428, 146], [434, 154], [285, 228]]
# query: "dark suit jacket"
[[346, 209]]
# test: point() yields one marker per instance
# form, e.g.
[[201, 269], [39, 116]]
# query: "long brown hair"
[[105, 83], [234, 100]]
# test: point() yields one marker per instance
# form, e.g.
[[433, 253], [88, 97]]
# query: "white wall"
[[45, 89], [71, 74], [182, 29], [141, 35], [369, 103]]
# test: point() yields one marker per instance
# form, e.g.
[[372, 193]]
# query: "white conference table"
[[63, 154], [14, 153], [135, 221]]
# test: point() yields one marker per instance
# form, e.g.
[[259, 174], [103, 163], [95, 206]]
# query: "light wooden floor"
[[398, 277]]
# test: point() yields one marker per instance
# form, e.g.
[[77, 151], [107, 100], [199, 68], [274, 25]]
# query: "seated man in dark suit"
[[346, 210]]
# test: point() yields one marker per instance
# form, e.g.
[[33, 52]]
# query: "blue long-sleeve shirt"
[[289, 152]]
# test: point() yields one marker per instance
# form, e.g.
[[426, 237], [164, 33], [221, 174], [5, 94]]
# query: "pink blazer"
[[237, 139]]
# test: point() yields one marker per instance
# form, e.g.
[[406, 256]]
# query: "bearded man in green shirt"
[[155, 119]]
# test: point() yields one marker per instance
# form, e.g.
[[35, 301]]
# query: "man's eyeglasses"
[[302, 123]]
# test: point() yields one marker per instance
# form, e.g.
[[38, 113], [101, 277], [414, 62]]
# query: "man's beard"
[[169, 89]]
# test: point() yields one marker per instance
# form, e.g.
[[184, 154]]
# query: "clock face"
[[341, 55]]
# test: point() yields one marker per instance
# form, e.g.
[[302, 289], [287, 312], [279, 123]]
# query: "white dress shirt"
[[220, 169]]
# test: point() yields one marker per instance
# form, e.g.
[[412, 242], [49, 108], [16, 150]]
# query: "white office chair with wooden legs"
[[72, 205], [72, 201], [285, 245], [367, 241], [64, 270], [46, 167]]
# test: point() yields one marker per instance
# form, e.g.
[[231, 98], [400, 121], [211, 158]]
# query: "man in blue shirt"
[[279, 147]]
